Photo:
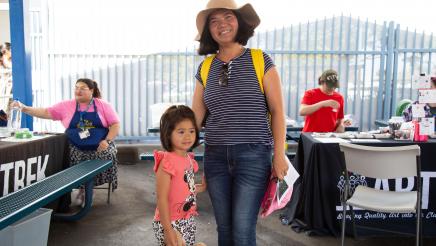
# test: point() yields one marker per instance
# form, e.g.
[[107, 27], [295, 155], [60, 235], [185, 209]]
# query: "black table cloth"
[[315, 206]]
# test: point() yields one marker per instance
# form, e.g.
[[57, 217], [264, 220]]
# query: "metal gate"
[[376, 65]]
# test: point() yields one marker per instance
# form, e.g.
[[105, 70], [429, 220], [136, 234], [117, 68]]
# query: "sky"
[[169, 25]]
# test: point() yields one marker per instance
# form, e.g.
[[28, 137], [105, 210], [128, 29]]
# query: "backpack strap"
[[259, 66], [204, 70]]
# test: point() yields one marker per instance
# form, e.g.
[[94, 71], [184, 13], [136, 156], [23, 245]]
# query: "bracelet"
[[109, 141]]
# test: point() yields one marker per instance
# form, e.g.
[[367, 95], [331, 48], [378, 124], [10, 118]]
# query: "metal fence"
[[376, 65]]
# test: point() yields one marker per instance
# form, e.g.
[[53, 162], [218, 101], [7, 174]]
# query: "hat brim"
[[246, 11]]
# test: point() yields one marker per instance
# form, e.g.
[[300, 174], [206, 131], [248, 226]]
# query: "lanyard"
[[82, 113]]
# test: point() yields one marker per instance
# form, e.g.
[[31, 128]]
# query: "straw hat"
[[246, 11]]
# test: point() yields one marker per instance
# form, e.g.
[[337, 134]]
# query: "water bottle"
[[14, 120]]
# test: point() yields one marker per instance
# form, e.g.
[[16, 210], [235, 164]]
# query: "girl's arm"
[[163, 181], [198, 104], [201, 187], [274, 97]]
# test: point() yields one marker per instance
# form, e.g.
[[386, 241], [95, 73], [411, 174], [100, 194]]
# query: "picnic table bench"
[[18, 204]]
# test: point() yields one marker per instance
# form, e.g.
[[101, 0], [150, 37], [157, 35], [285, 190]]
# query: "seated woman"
[[429, 108], [91, 126]]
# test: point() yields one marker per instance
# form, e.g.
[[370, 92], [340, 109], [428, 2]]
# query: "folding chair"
[[382, 163]]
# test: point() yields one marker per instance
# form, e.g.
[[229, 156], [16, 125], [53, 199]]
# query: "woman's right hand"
[[17, 104]]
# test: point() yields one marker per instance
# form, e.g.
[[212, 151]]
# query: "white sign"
[[21, 171], [427, 96], [426, 126], [422, 82], [418, 110]]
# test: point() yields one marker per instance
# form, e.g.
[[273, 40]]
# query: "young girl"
[[175, 186]]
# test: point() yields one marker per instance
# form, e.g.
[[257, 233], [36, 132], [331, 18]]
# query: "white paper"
[[422, 82], [331, 140], [365, 140], [19, 140], [427, 96], [418, 110], [426, 126], [288, 182]]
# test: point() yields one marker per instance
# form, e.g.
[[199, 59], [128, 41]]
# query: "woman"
[[5, 81], [5, 55], [91, 126], [239, 138]]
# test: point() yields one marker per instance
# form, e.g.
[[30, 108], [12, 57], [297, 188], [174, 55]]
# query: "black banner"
[[24, 163]]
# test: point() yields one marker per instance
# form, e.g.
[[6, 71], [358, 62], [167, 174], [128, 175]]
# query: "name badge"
[[84, 134]]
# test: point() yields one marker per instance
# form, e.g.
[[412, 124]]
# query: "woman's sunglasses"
[[224, 76]]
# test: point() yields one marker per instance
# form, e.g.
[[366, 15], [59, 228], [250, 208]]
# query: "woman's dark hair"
[[173, 116], [210, 46], [92, 85], [3, 48]]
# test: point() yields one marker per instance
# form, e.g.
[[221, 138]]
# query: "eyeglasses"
[[81, 89], [223, 79]]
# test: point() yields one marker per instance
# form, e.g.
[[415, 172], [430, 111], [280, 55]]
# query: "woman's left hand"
[[280, 166], [103, 145]]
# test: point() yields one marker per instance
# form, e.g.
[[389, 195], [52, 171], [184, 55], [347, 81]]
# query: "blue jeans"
[[237, 178]]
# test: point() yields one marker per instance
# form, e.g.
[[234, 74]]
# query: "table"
[[22, 164], [315, 206]]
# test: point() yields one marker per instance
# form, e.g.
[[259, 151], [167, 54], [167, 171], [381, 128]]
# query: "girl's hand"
[[103, 145], [280, 166], [170, 237], [201, 187]]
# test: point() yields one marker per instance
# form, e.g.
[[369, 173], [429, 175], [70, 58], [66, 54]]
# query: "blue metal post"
[[21, 55], [387, 105]]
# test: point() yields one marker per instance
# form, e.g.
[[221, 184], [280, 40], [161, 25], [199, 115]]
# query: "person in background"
[[5, 55], [323, 107], [239, 139], [429, 108], [91, 126], [175, 185], [5, 81]]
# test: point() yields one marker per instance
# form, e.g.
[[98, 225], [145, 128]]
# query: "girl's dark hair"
[[210, 46], [92, 85], [433, 80], [172, 116]]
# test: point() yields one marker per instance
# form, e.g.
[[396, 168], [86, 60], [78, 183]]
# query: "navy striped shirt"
[[238, 111]]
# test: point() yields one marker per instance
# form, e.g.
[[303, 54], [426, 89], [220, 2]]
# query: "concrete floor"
[[127, 220]]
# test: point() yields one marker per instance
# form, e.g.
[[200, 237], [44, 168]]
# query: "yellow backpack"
[[258, 62]]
